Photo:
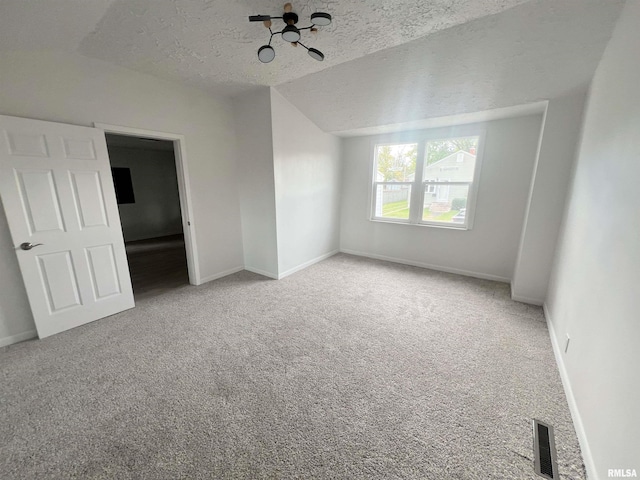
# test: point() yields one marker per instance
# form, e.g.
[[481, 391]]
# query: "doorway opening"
[[152, 193]]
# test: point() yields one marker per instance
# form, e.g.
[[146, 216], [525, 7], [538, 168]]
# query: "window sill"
[[430, 225]]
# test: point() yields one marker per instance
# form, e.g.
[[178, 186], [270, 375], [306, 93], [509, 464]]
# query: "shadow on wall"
[[15, 313]]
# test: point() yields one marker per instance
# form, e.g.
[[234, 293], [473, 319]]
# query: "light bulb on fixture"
[[291, 34], [266, 54], [321, 19], [315, 54]]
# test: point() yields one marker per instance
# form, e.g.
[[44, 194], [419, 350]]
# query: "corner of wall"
[[538, 301], [532, 182], [551, 177], [254, 133], [306, 187]]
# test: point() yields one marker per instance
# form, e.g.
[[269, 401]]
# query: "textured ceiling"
[[387, 62], [536, 51], [212, 45]]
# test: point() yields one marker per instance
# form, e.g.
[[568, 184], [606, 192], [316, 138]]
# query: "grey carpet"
[[352, 368]]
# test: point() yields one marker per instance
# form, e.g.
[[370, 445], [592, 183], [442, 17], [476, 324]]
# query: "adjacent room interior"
[[146, 187], [319, 239]]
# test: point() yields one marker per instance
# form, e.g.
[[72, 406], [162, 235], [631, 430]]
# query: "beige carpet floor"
[[350, 369]]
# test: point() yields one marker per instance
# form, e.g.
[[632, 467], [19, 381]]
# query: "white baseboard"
[[440, 268], [529, 300], [523, 299], [28, 335], [307, 264], [592, 473], [264, 273], [215, 276]]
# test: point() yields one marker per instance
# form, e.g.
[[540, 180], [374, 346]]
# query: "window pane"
[[445, 203], [396, 163], [393, 201], [451, 159]]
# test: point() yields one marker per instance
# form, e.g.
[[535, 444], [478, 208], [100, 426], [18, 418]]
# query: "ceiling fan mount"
[[290, 18]]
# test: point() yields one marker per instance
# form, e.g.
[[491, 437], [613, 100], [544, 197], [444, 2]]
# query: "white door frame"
[[184, 188]]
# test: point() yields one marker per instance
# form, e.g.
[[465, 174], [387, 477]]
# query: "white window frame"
[[419, 186]]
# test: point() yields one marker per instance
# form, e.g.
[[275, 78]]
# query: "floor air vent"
[[544, 450]]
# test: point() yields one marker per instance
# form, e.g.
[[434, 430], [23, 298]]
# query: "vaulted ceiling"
[[536, 51], [385, 62]]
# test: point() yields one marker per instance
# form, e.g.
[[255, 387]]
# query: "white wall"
[[547, 195], [307, 186], [156, 211], [489, 249], [257, 188], [73, 89], [594, 293]]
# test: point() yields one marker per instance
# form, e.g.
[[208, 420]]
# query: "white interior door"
[[58, 195]]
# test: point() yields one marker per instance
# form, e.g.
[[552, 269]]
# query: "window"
[[395, 176], [429, 182]]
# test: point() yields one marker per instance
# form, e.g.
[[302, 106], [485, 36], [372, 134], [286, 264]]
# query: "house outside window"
[[428, 182]]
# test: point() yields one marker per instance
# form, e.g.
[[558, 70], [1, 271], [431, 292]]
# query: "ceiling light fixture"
[[290, 33]]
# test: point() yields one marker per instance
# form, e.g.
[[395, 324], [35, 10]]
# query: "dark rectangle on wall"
[[123, 185]]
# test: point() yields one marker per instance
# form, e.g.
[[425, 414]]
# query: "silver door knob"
[[29, 246]]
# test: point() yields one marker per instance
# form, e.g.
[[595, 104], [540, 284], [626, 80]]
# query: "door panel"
[[40, 200], [89, 199], [80, 149], [57, 191], [104, 271], [59, 280], [28, 144]]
